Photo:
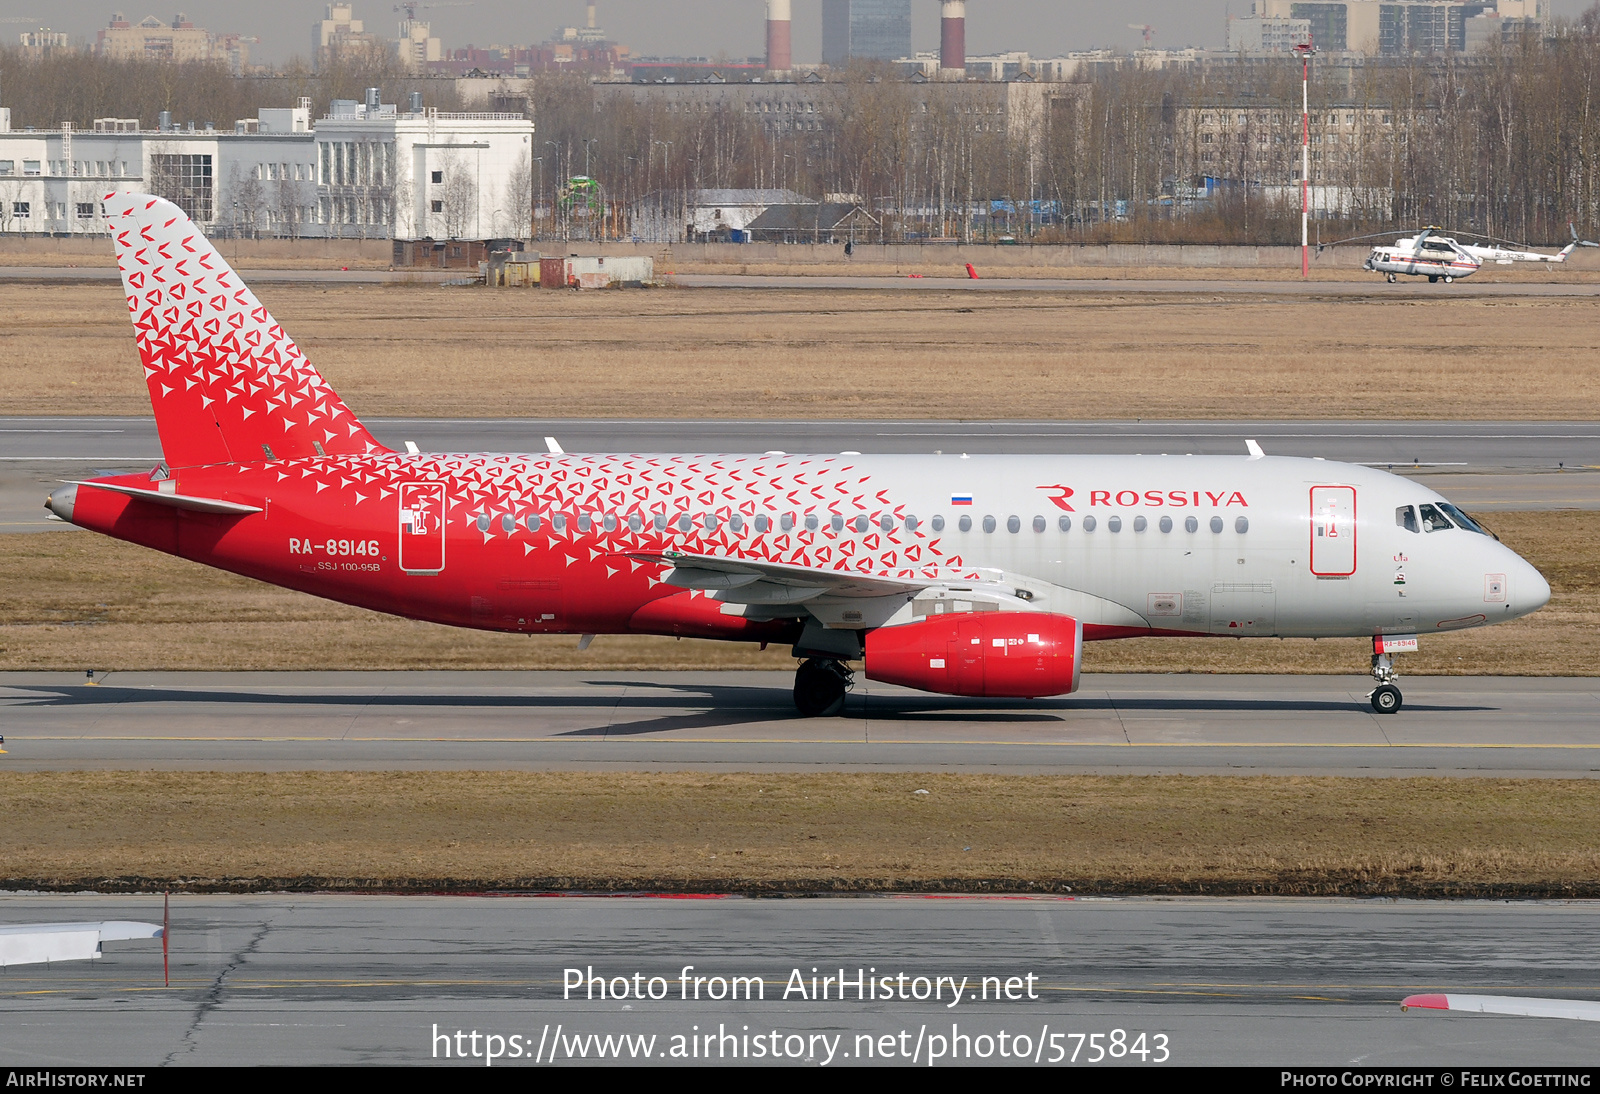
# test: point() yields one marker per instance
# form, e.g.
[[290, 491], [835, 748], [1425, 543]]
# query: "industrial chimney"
[[591, 16], [953, 39], [780, 52]]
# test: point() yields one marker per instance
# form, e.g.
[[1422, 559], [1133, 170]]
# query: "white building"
[[365, 171]]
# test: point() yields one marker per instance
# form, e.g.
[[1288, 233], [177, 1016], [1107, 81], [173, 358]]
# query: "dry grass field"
[[77, 601], [435, 351], [749, 832]]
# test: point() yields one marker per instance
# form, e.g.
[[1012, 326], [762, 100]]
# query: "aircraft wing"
[[39, 943], [747, 581]]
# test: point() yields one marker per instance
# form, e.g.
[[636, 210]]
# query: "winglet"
[[1255, 450], [553, 447]]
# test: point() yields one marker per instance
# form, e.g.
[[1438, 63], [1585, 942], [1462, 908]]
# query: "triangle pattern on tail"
[[226, 383]]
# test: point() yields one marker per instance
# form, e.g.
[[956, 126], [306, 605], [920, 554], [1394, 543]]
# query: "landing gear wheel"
[[820, 686], [1391, 278], [1386, 699], [1449, 280], [1433, 279]]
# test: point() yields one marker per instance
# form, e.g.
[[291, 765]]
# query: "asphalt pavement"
[[745, 721], [321, 979]]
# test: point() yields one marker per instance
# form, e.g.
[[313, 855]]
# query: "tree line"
[[1502, 143]]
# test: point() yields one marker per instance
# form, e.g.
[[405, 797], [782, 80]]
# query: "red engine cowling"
[[1021, 655]]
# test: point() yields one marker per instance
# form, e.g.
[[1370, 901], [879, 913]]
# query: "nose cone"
[[1532, 590], [61, 501]]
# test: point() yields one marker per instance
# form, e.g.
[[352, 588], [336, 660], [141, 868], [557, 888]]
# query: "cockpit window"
[[1406, 517], [1433, 520], [1462, 520]]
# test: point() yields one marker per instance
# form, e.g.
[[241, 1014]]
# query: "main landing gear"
[[820, 686], [1390, 277], [1386, 698]]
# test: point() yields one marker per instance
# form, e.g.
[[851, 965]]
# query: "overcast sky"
[[678, 27]]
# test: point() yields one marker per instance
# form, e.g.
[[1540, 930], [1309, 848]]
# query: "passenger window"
[[1039, 524], [1241, 525], [763, 523], [836, 522], [1065, 524], [911, 523], [1191, 524], [1089, 523], [560, 522], [859, 524], [610, 522], [811, 522], [635, 523], [938, 524], [1114, 524], [736, 523], [508, 524], [711, 522], [1216, 524], [1140, 524], [584, 522], [965, 523], [533, 522], [988, 523], [660, 521], [786, 522], [1166, 524], [684, 522], [886, 522], [1013, 524], [483, 522], [1406, 517], [1433, 520]]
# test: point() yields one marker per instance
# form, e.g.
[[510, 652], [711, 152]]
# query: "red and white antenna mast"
[[1304, 52]]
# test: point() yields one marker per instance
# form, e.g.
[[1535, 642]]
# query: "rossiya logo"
[[1060, 496], [1125, 499]]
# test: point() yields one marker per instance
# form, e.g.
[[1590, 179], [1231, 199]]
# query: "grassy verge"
[[781, 833], [78, 601], [852, 354]]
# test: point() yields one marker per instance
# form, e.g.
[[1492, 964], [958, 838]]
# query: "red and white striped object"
[[1580, 1009]]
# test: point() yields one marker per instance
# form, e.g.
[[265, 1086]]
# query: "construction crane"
[[1149, 31], [411, 7]]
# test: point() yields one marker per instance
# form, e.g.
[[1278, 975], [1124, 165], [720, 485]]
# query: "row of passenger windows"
[[812, 522], [1435, 517]]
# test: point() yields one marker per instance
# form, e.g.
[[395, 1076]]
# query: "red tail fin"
[[227, 385]]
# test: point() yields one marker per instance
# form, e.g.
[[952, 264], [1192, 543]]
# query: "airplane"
[[1443, 258], [975, 576]]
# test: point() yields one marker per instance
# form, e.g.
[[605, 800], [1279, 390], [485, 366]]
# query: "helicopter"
[[1444, 258]]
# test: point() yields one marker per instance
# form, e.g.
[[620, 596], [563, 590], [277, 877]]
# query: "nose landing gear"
[[820, 686], [1386, 698], [1391, 278]]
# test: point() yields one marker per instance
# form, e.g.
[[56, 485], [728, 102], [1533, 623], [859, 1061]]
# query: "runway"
[[744, 721], [1483, 466], [374, 980], [1373, 287]]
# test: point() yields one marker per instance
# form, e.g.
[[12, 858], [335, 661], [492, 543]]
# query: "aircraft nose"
[[1532, 590], [61, 501]]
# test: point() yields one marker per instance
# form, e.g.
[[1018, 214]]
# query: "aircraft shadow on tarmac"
[[709, 706]]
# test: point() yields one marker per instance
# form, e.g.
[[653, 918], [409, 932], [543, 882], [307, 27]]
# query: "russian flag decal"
[[960, 499]]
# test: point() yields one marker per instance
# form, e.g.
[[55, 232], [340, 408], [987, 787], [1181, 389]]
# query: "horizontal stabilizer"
[[177, 501], [1582, 1010]]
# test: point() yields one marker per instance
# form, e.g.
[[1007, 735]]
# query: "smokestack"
[[953, 39], [780, 52], [591, 16]]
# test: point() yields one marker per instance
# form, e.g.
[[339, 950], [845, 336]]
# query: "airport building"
[[364, 171]]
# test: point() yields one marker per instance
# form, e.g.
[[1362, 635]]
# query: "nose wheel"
[[1386, 698], [1391, 279], [819, 687]]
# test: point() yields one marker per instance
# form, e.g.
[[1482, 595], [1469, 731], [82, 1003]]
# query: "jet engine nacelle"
[[1021, 655]]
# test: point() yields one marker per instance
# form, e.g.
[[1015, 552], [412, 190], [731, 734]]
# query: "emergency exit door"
[[422, 527], [1333, 531]]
